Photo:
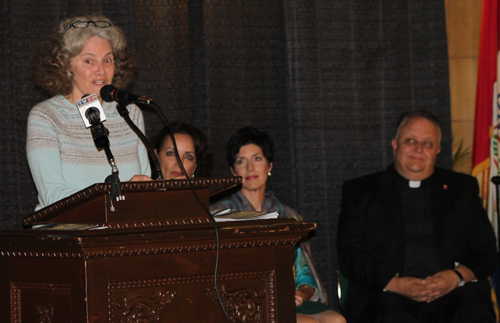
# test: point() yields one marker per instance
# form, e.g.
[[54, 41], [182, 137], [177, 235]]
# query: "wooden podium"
[[153, 261]]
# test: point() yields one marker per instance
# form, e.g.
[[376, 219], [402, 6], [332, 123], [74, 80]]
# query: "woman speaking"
[[79, 58]]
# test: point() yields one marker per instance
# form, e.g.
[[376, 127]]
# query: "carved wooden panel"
[[40, 302], [150, 275], [141, 309], [247, 297]]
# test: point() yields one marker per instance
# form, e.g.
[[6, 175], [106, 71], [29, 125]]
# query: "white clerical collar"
[[414, 184]]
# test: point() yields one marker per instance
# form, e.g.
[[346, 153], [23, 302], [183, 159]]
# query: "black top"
[[421, 255]]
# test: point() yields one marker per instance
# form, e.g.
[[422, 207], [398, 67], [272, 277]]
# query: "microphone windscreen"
[[107, 93]]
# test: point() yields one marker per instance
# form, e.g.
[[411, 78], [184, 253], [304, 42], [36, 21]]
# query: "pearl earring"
[[269, 174]]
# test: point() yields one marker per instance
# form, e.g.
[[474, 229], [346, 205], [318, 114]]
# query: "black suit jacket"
[[371, 231]]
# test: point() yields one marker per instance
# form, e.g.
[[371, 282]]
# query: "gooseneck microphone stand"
[[101, 140], [123, 111], [107, 94]]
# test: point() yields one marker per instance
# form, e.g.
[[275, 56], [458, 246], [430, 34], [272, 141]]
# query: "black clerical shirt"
[[421, 256]]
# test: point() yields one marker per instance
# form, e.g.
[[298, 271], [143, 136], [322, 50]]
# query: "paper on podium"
[[228, 215]]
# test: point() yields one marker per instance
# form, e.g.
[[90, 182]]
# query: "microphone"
[[110, 93], [93, 115], [90, 110]]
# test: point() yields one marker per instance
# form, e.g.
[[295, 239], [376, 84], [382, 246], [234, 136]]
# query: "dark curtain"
[[327, 78]]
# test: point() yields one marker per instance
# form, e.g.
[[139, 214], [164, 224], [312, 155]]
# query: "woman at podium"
[[250, 155], [78, 59], [192, 147]]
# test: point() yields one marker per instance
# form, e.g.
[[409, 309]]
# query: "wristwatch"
[[461, 282]]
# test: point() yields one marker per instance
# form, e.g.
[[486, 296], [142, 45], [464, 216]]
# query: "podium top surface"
[[142, 199], [114, 242]]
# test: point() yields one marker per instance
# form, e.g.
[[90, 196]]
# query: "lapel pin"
[[445, 187]]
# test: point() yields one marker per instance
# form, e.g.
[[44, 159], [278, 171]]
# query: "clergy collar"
[[406, 183], [414, 184]]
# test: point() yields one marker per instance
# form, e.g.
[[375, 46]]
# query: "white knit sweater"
[[62, 156]]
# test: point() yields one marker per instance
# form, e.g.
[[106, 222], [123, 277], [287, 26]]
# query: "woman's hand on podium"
[[140, 178]]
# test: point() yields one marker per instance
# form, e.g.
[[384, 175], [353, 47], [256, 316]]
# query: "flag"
[[485, 152], [486, 78], [493, 188], [495, 159]]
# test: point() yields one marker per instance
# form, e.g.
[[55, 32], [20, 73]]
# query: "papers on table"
[[225, 215]]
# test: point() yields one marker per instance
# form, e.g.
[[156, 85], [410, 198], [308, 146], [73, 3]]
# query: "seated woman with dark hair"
[[192, 148], [250, 155]]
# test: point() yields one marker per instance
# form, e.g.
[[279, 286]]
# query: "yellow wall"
[[463, 23]]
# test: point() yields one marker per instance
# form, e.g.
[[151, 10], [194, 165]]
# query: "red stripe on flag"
[[486, 78]]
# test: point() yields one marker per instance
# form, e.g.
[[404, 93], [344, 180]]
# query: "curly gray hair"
[[53, 57]]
